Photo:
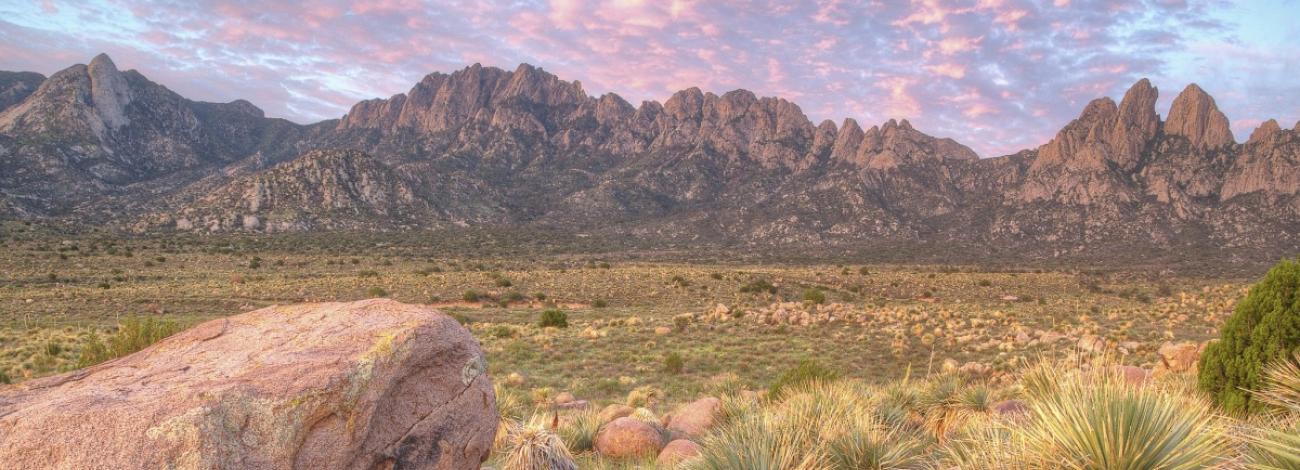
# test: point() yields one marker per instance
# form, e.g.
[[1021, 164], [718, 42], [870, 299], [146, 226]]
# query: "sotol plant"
[[1264, 329]]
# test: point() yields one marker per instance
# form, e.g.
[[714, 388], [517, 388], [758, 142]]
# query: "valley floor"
[[632, 321]]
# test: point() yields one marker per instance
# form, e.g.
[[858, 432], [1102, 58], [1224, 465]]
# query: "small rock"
[[563, 398], [663, 330], [1092, 344], [613, 412], [676, 452]]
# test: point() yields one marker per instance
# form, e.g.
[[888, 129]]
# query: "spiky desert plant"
[[873, 444], [531, 445], [579, 432], [1094, 421], [759, 442], [1276, 444]]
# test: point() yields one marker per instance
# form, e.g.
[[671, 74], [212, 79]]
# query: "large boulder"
[[362, 385], [676, 452], [1180, 357], [695, 418], [629, 437]]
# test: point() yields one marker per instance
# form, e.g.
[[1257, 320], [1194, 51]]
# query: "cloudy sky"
[[998, 75]]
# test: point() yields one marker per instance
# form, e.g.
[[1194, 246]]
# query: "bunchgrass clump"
[[133, 334], [530, 445]]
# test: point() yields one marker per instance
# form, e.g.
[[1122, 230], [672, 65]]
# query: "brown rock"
[[369, 384], [695, 418], [626, 437], [676, 452], [613, 412], [1195, 116], [1011, 408], [1133, 375], [1180, 357], [1091, 344]]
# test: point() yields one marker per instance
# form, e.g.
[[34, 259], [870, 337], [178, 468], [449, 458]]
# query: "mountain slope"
[[489, 147]]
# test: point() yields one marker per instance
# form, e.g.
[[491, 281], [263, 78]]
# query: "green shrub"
[[555, 318], [808, 371], [4, 377], [133, 334], [814, 296], [1264, 329], [503, 282], [599, 303], [758, 287], [376, 291], [470, 296], [673, 363], [984, 283]]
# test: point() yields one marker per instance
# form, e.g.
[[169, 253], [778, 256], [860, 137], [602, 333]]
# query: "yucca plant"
[[579, 432], [1094, 422], [871, 444], [532, 446], [1276, 445], [760, 442]]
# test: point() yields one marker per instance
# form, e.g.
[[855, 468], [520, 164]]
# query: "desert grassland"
[[633, 323]]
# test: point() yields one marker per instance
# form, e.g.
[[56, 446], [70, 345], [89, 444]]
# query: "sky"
[[997, 75]]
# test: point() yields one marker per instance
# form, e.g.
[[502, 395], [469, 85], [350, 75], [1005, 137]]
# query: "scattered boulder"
[[564, 398], [1091, 344], [613, 412], [975, 369], [360, 385], [1180, 357], [1011, 408], [676, 452], [627, 437], [695, 419], [1133, 375]]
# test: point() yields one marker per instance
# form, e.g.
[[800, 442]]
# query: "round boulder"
[[695, 418], [676, 452], [627, 437]]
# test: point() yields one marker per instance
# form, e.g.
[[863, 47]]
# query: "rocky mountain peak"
[[1264, 132], [109, 92], [1194, 115], [1135, 125]]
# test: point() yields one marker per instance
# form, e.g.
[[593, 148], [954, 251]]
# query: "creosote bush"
[[814, 296], [554, 318]]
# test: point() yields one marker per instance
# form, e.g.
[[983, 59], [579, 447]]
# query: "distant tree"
[[1264, 329]]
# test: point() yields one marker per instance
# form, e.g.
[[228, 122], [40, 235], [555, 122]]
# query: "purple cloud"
[[998, 75]]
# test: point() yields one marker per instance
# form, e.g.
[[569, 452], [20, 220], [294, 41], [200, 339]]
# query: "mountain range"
[[486, 147]]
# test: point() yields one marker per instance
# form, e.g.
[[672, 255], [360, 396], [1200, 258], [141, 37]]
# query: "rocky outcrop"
[[312, 190], [1195, 117], [362, 385], [522, 148], [17, 86]]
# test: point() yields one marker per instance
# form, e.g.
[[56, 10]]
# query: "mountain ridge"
[[486, 146]]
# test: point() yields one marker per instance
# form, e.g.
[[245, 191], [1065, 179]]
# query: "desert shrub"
[[367, 273], [554, 318], [513, 297], [503, 331], [540, 296], [471, 296], [376, 291], [133, 334], [715, 276], [673, 363], [680, 322], [1275, 444], [503, 282], [1264, 329], [757, 287], [814, 296], [531, 446], [579, 433], [4, 377], [680, 281], [984, 283], [599, 303], [255, 263], [807, 372]]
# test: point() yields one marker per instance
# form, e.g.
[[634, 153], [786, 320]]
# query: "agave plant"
[[872, 444]]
